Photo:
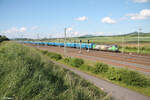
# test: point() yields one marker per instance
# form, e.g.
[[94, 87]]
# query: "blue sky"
[[48, 18]]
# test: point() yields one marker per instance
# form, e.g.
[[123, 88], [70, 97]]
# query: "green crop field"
[[126, 43], [26, 74]]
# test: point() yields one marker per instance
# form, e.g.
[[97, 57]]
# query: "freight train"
[[92, 46]]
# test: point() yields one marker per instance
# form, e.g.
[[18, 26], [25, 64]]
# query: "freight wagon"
[[92, 46]]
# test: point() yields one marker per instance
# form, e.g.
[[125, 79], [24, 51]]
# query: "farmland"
[[127, 43]]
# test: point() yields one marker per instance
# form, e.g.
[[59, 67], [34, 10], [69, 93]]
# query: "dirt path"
[[117, 92]]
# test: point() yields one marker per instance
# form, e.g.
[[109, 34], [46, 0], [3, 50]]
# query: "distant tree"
[[3, 38]]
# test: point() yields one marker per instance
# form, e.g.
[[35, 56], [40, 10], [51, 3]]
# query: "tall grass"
[[26, 74], [120, 76]]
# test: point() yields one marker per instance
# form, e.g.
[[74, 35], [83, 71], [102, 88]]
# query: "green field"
[[127, 43], [128, 39], [26, 74]]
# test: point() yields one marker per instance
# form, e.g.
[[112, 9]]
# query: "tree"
[[3, 38]]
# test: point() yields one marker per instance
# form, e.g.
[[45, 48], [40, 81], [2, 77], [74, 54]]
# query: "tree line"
[[3, 38]]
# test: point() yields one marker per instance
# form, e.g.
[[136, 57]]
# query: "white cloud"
[[83, 18], [22, 29], [143, 14], [76, 33], [73, 34], [34, 27], [108, 20], [69, 29], [141, 1], [15, 30]]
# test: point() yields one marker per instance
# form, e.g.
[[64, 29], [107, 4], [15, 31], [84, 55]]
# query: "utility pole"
[[139, 40], [59, 41], [70, 36], [37, 39], [65, 30], [88, 46], [80, 46], [122, 44], [49, 37], [37, 36]]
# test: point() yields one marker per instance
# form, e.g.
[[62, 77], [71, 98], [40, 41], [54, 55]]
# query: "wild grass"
[[142, 50], [121, 76], [26, 74]]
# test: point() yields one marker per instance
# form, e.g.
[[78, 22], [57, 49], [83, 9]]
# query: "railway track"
[[121, 57], [135, 62], [130, 56]]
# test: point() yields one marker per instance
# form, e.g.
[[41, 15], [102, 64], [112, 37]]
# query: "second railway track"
[[140, 63]]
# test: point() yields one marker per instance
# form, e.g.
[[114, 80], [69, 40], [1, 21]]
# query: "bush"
[[100, 68], [55, 56], [67, 60], [3, 38], [86, 67], [135, 79], [114, 74], [76, 62], [52, 55], [128, 77], [44, 52]]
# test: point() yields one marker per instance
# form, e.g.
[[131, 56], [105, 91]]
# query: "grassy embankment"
[[120, 76], [27, 74]]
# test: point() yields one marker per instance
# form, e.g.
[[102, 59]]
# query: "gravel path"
[[117, 92]]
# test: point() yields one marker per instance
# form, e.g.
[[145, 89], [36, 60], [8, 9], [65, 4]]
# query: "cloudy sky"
[[48, 18]]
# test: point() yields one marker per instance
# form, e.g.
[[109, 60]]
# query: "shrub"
[[76, 62], [3, 38], [100, 67], [86, 67], [52, 55], [44, 51], [56, 56], [114, 74], [128, 77], [135, 79], [67, 60]]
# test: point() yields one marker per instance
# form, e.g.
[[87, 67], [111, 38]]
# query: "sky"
[[48, 18]]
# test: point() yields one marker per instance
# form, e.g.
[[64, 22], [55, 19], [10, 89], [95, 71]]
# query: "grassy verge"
[[26, 74], [143, 50], [120, 76]]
